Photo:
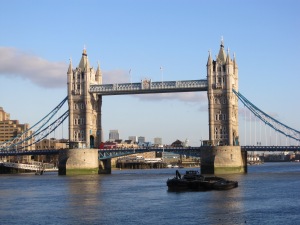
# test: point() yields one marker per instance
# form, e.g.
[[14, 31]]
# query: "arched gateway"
[[220, 154]]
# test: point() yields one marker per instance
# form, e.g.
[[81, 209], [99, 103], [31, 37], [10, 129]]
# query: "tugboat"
[[193, 181]]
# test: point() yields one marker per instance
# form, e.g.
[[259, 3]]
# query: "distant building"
[[51, 143], [10, 129], [177, 143], [141, 139], [113, 135], [157, 141], [133, 138], [4, 115]]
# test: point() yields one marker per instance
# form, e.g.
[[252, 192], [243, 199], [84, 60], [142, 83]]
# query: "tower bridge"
[[222, 152], [86, 90]]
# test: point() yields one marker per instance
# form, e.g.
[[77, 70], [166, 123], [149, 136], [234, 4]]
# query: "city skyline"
[[154, 40]]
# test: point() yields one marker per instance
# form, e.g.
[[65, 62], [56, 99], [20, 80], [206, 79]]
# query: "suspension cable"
[[268, 120]]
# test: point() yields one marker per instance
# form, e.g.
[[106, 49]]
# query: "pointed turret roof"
[[70, 66], [234, 60], [228, 59], [98, 74], [222, 55], [209, 60], [84, 62]]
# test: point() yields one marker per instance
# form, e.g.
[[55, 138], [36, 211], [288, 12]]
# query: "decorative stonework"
[[222, 77]]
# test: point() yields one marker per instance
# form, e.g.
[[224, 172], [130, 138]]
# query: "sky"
[[38, 38]]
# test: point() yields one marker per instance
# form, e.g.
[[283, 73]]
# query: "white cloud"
[[16, 63]]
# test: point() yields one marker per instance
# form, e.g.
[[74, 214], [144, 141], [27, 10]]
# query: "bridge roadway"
[[188, 151]]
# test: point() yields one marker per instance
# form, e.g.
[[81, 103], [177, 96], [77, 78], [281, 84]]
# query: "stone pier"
[[78, 161], [223, 160]]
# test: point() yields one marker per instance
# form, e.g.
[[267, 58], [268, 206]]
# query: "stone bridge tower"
[[85, 131], [222, 153], [222, 77], [84, 108]]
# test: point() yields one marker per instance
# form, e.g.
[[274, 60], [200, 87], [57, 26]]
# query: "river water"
[[268, 194]]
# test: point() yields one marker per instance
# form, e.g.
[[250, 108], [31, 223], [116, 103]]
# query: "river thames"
[[267, 194]]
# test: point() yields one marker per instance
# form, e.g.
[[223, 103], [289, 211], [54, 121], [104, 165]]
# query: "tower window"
[[216, 133], [223, 116]]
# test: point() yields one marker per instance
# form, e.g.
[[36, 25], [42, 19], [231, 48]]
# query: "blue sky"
[[39, 37]]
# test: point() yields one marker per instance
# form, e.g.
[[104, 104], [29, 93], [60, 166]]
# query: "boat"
[[194, 181], [189, 181]]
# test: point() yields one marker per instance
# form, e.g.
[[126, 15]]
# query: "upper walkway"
[[147, 86]]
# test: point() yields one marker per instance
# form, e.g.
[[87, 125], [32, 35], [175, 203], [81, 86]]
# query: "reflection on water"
[[82, 193], [224, 203], [268, 194]]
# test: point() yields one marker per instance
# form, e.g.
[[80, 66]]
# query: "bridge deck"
[[190, 151]]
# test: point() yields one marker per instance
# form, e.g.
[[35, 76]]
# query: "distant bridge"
[[270, 148], [118, 152]]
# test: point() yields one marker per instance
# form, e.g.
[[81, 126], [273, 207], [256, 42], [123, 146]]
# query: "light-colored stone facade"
[[222, 153], [84, 108], [10, 129], [222, 77]]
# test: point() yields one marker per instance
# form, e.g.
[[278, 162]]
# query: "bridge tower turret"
[[84, 107], [223, 153]]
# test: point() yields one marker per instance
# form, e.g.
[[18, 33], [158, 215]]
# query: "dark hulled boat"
[[193, 181]]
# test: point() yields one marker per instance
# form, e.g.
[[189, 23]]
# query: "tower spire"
[[70, 66], [209, 60], [84, 64], [98, 74], [222, 55], [222, 42], [228, 60]]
